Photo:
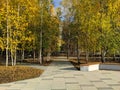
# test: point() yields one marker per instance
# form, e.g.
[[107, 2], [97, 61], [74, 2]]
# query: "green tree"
[[95, 24]]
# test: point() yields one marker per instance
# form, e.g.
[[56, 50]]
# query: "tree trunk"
[[48, 56], [41, 32], [94, 55], [114, 57], [7, 36], [12, 61], [7, 56], [15, 57], [78, 56], [15, 53], [68, 47], [34, 54], [87, 56], [78, 53], [103, 56], [40, 56], [23, 55]]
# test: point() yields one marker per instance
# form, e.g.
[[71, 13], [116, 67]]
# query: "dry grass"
[[10, 74]]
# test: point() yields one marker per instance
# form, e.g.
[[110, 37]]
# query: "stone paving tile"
[[78, 74], [89, 88], [116, 87], [96, 81], [27, 81], [6, 86], [71, 81], [3, 85], [87, 85], [110, 82], [106, 78], [100, 84], [105, 88], [69, 76], [3, 88], [83, 81], [59, 76], [59, 80], [105, 72], [47, 78], [115, 77], [58, 86], [114, 84], [20, 82], [73, 87], [17, 86], [43, 88], [13, 89], [58, 89], [32, 85], [26, 88]]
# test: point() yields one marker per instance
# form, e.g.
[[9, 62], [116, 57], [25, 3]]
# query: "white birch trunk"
[[7, 44], [15, 54], [40, 51], [87, 56], [15, 57]]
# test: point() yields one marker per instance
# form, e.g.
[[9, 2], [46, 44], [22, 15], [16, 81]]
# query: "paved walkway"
[[61, 75]]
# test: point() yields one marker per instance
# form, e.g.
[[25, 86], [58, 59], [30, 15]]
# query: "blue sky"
[[57, 3]]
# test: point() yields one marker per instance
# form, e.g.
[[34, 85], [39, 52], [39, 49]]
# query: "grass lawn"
[[15, 73]]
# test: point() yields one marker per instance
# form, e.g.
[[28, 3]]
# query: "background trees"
[[95, 24], [20, 28], [90, 26]]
